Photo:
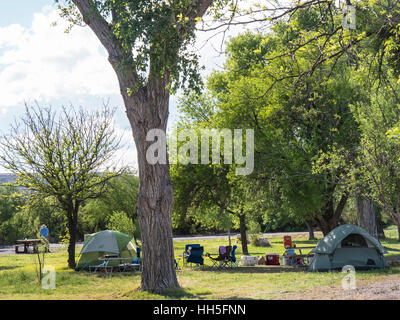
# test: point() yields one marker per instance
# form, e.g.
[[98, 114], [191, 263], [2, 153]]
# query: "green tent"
[[348, 245], [102, 243]]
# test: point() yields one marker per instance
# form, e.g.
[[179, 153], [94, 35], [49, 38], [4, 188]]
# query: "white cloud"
[[127, 154], [44, 63]]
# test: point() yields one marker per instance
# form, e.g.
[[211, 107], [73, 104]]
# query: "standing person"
[[44, 234]]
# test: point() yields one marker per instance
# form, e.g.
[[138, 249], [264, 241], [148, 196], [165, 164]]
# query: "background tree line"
[[325, 121], [20, 217]]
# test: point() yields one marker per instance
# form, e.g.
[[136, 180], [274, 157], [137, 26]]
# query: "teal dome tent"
[[348, 245], [103, 243]]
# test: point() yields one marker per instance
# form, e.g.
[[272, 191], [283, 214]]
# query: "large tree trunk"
[[330, 217], [398, 233], [148, 109], [243, 234], [379, 222], [310, 230], [366, 217], [72, 213], [72, 240]]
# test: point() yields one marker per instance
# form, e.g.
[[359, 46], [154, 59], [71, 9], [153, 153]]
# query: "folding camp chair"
[[231, 261], [104, 265], [224, 256], [186, 253], [196, 256], [135, 265]]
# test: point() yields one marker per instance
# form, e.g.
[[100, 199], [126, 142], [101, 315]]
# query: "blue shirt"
[[44, 232]]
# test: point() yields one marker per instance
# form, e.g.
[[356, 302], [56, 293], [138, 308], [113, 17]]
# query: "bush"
[[119, 221], [259, 241]]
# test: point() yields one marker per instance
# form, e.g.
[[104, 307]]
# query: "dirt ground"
[[386, 288]]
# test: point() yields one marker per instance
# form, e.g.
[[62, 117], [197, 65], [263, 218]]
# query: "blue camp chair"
[[196, 256], [231, 260], [137, 259], [134, 265], [186, 253]]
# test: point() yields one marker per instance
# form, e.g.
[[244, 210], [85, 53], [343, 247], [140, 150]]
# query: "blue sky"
[[21, 11]]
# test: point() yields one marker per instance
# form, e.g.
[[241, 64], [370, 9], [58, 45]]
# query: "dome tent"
[[102, 243], [348, 245]]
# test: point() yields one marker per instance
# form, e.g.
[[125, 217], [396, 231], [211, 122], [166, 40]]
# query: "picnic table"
[[27, 243], [106, 260], [300, 255]]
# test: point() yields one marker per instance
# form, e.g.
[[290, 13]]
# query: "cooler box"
[[289, 261], [248, 260], [287, 242], [272, 259], [290, 251]]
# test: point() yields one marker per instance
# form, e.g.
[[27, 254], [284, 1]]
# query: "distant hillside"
[[7, 177]]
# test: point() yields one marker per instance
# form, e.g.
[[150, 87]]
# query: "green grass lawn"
[[18, 277]]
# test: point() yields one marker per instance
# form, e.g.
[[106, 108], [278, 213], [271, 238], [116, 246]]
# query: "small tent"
[[348, 245], [102, 243]]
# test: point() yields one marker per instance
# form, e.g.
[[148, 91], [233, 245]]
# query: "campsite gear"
[[223, 256], [107, 242], [108, 269], [27, 243], [290, 258], [188, 248], [290, 252], [137, 259], [196, 256], [248, 260], [285, 260], [261, 261], [272, 259], [348, 245], [287, 242], [233, 253], [130, 266], [133, 265], [230, 261]]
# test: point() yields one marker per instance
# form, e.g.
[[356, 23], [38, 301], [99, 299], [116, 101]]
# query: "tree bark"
[[72, 240], [398, 233], [72, 213], [243, 234], [330, 217], [379, 222], [366, 217], [310, 230], [146, 110]]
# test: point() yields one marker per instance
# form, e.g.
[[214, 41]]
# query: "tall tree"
[[366, 217], [377, 164], [147, 45], [297, 125], [66, 158]]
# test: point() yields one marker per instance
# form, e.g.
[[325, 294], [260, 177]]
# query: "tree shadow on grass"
[[179, 293], [258, 269], [390, 240], [391, 249], [8, 267], [184, 293], [393, 260]]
